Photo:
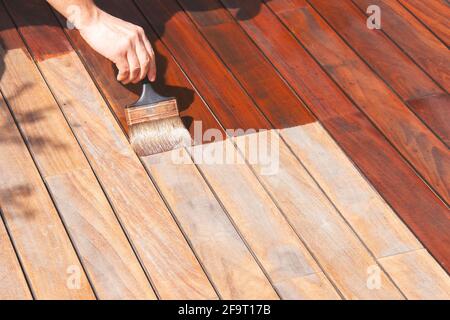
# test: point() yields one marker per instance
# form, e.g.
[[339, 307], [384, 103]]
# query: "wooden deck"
[[357, 207]]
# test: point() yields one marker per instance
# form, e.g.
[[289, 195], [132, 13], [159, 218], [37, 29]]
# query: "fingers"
[[138, 62], [124, 69]]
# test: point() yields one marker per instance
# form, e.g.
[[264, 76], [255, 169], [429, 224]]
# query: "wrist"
[[83, 18]]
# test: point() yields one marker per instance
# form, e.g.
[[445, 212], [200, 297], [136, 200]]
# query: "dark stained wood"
[[427, 154], [435, 109], [232, 106], [414, 38], [171, 81], [416, 204], [380, 53], [435, 14], [274, 98]]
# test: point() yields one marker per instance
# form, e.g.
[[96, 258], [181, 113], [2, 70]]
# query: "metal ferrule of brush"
[[151, 106]]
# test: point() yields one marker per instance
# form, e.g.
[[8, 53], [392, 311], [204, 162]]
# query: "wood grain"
[[418, 275], [428, 155], [434, 14], [171, 81], [388, 61], [157, 239], [340, 253], [13, 285], [436, 109], [248, 64], [232, 105], [39, 236], [275, 244], [414, 38], [397, 183], [368, 214], [106, 253], [229, 263]]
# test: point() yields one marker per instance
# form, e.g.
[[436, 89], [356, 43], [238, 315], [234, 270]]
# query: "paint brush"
[[155, 123]]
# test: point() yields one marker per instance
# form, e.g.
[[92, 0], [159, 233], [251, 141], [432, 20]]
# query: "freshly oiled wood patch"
[[368, 214], [437, 109], [13, 285], [414, 38], [418, 275], [415, 203], [434, 14], [342, 256], [106, 253], [230, 265], [400, 72], [277, 247], [39, 236], [427, 154]]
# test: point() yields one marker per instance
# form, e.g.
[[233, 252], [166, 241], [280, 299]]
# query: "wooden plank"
[[207, 73], [42, 244], [338, 250], [157, 239], [397, 183], [368, 214], [249, 66], [260, 223], [229, 263], [418, 275], [13, 285], [170, 81], [415, 39], [387, 60], [79, 198], [434, 14], [436, 109], [270, 92], [426, 153], [106, 253]]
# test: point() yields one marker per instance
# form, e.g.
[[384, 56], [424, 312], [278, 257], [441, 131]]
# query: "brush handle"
[[149, 95]]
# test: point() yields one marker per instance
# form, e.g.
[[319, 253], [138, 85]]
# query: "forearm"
[[78, 12]]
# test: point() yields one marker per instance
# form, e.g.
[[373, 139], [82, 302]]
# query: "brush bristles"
[[159, 136]]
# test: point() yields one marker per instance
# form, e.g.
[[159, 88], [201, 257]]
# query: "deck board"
[[400, 73], [33, 222], [136, 201], [301, 222], [427, 154], [434, 14], [13, 284], [397, 183], [414, 39]]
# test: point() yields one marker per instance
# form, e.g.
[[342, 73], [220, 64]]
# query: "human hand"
[[124, 43]]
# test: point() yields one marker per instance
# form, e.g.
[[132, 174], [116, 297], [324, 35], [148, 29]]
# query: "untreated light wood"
[[434, 14], [229, 263], [414, 38], [42, 243], [13, 285], [418, 275], [367, 213], [157, 239], [261, 224], [340, 253], [106, 253]]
